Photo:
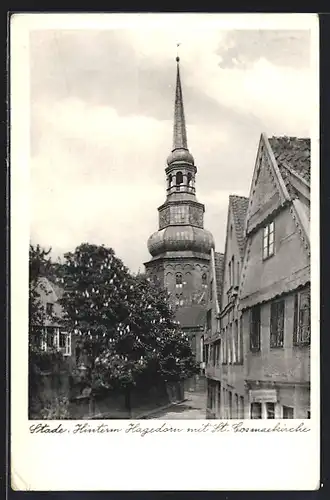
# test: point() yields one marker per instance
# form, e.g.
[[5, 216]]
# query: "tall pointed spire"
[[179, 129], [180, 151]]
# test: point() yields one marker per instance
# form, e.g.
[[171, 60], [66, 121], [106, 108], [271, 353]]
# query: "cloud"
[[101, 127]]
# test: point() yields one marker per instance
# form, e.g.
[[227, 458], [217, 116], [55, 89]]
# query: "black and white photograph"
[[164, 261], [170, 209]]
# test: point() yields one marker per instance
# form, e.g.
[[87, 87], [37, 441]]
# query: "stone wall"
[[55, 398]]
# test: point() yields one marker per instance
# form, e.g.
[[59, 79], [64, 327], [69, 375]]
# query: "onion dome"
[[180, 238], [180, 155]]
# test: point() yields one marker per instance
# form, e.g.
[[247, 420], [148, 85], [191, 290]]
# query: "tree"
[[125, 326], [39, 263], [39, 360]]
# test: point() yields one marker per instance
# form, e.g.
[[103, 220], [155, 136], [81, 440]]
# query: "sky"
[[102, 105]]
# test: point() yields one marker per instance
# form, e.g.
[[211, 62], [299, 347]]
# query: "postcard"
[[164, 252]]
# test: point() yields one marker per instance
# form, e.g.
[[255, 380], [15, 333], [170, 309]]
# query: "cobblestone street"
[[193, 408]]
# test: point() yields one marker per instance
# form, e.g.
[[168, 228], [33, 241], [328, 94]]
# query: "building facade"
[[225, 371], [258, 351], [52, 335], [274, 297], [180, 249]]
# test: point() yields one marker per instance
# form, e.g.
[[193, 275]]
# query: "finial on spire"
[[177, 52], [179, 132]]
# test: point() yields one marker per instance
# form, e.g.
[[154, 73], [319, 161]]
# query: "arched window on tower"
[[169, 180], [189, 177], [204, 279], [179, 178], [178, 280]]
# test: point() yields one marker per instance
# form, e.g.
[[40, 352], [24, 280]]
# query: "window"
[[270, 410], [308, 414], [68, 345], [287, 412], [268, 240], [202, 348], [240, 332], [229, 344], [277, 323], [209, 400], [213, 355], [230, 404], [53, 338], [62, 340], [49, 308], [255, 328], [241, 407], [236, 414], [50, 337], [206, 354], [209, 319], [211, 290], [226, 344], [236, 343], [204, 279], [169, 181], [189, 178], [256, 410], [302, 318], [179, 178], [219, 397], [217, 352], [178, 280]]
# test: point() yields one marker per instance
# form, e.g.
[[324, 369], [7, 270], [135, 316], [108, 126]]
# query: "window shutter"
[[68, 344], [57, 338], [295, 319]]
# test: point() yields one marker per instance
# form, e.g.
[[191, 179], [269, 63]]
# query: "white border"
[[163, 461]]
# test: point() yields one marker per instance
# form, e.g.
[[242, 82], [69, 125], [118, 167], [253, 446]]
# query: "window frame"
[[268, 247], [49, 308], [178, 280], [255, 404], [298, 339], [284, 409], [270, 410], [277, 336], [255, 347], [178, 177]]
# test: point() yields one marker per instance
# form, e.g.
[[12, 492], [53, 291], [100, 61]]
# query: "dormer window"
[[49, 308], [268, 240], [179, 178]]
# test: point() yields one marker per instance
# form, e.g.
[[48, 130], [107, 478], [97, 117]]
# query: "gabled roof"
[[293, 152], [293, 158], [219, 261], [239, 206]]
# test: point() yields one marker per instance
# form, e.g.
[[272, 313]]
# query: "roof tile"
[[293, 153], [239, 206], [219, 260]]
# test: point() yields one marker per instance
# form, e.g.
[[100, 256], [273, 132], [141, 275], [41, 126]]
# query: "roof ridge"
[[238, 196]]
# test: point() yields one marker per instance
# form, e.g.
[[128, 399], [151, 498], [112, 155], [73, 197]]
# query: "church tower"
[[180, 249]]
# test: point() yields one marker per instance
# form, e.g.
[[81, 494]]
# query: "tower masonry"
[[181, 247]]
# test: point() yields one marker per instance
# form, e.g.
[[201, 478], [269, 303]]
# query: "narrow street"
[[193, 408]]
